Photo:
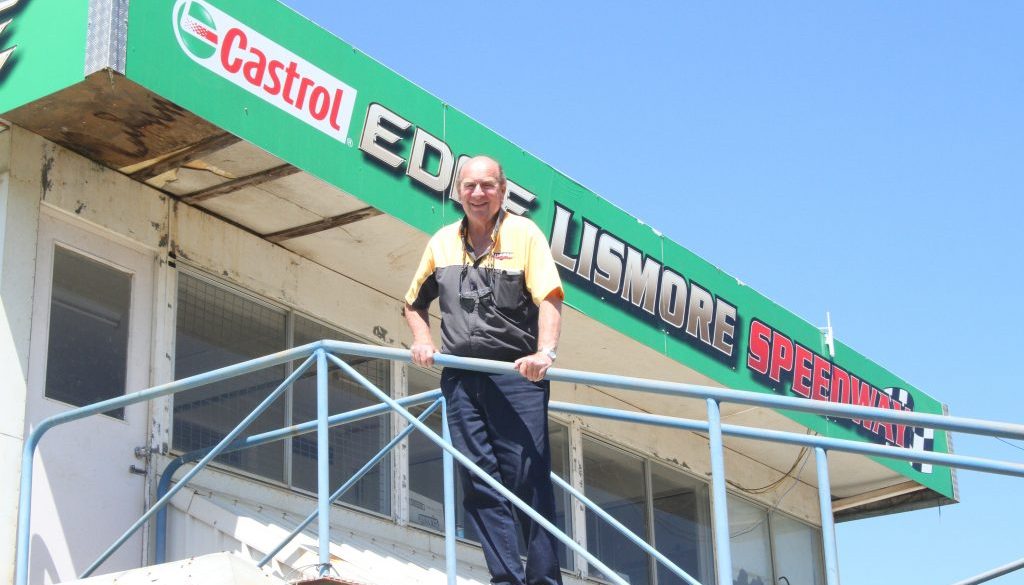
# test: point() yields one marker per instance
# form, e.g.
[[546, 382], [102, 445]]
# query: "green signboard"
[[42, 48], [268, 75]]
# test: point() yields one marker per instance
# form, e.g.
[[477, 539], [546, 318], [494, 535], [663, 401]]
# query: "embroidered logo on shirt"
[[502, 255]]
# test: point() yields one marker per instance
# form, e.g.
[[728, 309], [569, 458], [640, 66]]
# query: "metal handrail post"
[[36, 435], [450, 562], [474, 469], [227, 440], [621, 528], [719, 505], [351, 481], [828, 526], [334, 420], [323, 464]]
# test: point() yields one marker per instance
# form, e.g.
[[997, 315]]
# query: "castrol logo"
[[232, 50]]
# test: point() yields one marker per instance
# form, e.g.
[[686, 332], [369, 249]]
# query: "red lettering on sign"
[[230, 38], [802, 371], [758, 347], [840, 389], [819, 385], [273, 87], [782, 356]]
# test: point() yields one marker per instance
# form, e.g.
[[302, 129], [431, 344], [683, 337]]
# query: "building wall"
[[123, 210], [21, 186]]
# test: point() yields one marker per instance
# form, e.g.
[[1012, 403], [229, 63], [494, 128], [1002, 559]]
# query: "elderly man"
[[501, 299]]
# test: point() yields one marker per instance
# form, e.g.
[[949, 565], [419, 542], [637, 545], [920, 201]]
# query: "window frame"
[[58, 246], [289, 313]]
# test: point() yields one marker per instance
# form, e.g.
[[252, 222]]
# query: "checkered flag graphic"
[[924, 440], [919, 438]]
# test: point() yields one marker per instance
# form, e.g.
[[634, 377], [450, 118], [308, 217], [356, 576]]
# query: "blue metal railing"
[[322, 354]]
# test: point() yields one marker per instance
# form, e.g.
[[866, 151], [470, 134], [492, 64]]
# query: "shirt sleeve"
[[423, 289], [541, 273]]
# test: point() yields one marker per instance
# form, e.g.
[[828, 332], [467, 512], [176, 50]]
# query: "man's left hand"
[[533, 367]]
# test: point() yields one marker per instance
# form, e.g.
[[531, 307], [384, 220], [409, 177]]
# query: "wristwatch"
[[550, 352]]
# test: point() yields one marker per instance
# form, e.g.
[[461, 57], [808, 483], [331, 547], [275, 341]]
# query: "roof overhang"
[[201, 100]]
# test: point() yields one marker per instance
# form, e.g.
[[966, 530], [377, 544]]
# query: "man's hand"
[[533, 367], [423, 349], [423, 354]]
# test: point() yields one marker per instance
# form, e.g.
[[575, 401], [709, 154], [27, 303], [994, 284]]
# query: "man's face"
[[481, 191]]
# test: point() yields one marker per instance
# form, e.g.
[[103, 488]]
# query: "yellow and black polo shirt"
[[489, 304]]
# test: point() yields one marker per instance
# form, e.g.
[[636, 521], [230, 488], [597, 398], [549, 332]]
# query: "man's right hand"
[[423, 354]]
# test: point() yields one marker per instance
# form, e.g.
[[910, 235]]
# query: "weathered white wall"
[[22, 175]]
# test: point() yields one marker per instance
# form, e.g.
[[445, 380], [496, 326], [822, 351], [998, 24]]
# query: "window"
[[217, 327], [558, 434], [681, 521], [797, 547], [87, 357], [614, 480], [748, 539], [797, 551], [666, 507], [353, 444], [426, 472]]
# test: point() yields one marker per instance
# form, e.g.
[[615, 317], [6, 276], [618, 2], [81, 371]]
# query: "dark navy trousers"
[[500, 421]]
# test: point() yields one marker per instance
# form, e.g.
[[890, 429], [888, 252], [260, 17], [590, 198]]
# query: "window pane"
[[426, 469], [748, 538], [426, 473], [558, 434], [217, 327], [87, 357], [681, 524], [353, 444], [614, 480], [797, 551]]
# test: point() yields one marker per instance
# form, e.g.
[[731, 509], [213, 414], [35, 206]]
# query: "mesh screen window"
[[217, 327]]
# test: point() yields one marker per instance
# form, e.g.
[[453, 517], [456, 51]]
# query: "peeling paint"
[[46, 168], [178, 252]]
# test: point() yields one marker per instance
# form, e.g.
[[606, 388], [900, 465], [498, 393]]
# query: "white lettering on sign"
[[6, 53], [382, 136]]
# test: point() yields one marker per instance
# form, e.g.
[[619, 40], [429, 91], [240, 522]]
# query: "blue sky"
[[881, 146]]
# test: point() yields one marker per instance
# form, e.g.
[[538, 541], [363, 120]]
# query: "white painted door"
[[92, 315]]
